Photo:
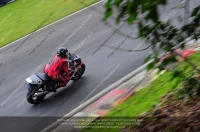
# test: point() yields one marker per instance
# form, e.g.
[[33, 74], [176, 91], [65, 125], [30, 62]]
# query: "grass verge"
[[144, 100], [22, 17]]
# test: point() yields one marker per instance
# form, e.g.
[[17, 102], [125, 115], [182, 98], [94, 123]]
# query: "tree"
[[158, 33]]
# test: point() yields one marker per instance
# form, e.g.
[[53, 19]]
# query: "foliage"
[[158, 33], [162, 35], [193, 89]]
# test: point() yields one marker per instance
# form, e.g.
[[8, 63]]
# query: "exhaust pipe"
[[39, 94]]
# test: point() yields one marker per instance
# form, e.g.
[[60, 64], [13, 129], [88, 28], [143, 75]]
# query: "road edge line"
[[49, 25]]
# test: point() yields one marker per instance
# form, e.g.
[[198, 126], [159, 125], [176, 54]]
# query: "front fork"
[[74, 72]]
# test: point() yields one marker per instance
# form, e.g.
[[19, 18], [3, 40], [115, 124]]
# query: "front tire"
[[79, 73]]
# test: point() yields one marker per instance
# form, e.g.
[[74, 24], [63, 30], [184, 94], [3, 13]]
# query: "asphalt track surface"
[[104, 66]]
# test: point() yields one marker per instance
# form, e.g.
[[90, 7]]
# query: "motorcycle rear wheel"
[[32, 99]]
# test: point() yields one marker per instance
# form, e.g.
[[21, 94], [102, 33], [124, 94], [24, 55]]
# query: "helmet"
[[62, 52]]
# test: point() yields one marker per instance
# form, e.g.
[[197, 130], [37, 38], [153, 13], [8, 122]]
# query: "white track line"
[[50, 24]]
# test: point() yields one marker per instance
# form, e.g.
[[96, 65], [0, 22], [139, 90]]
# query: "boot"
[[54, 87]]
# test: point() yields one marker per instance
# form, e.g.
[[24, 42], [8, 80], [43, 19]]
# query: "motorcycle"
[[39, 85]]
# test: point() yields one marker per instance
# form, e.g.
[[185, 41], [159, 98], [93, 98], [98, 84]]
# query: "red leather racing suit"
[[57, 69]]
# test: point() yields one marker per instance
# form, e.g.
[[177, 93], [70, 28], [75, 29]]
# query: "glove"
[[71, 66]]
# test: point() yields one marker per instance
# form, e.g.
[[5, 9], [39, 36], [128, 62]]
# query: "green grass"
[[21, 17], [144, 99]]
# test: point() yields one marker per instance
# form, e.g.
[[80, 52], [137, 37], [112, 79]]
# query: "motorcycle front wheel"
[[79, 73]]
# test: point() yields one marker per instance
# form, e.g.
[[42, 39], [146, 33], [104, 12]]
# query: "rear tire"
[[79, 73], [30, 96]]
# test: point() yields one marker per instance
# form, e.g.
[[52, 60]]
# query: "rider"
[[60, 68]]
